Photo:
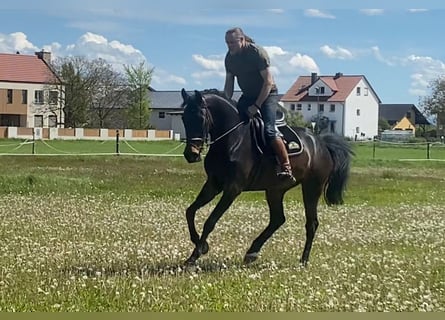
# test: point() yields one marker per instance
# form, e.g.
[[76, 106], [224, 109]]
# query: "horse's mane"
[[220, 94]]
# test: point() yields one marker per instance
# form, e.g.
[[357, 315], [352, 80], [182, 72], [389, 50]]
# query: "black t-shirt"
[[246, 67]]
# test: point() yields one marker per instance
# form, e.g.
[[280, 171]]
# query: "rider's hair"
[[239, 32]]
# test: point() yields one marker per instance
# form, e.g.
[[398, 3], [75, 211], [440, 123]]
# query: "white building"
[[348, 101]]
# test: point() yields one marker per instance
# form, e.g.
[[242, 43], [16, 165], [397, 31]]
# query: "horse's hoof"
[[204, 248], [249, 258], [189, 264]]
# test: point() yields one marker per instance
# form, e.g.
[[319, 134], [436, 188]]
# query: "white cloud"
[[277, 11], [304, 63], [378, 55], [315, 13], [161, 79], [17, 41], [417, 10], [213, 63], [425, 69], [372, 12], [274, 51], [91, 46], [338, 53]]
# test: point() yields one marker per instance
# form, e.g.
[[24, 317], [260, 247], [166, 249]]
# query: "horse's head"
[[196, 119]]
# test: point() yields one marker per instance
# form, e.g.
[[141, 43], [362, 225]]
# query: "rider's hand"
[[252, 111]]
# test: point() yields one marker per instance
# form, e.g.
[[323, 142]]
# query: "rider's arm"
[[229, 85], [267, 86]]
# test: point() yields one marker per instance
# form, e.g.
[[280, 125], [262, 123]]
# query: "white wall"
[[367, 121], [345, 115]]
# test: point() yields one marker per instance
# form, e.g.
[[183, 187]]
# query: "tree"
[[72, 71], [434, 105], [383, 125], [106, 94], [321, 123], [295, 119], [138, 82], [92, 90]]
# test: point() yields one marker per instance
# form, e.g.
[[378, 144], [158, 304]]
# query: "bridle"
[[205, 141]]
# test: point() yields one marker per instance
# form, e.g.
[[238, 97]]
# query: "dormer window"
[[319, 90]]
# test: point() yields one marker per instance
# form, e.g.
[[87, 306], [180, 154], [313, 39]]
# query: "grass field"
[[108, 233]]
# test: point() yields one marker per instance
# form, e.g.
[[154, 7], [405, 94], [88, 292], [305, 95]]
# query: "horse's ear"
[[185, 95], [198, 96]]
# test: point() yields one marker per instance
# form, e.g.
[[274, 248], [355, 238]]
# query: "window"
[[358, 91], [9, 96], [365, 91], [357, 129], [332, 108], [24, 96], [309, 107], [161, 115], [321, 107], [358, 112], [52, 121], [321, 90], [38, 121], [53, 97], [299, 107], [38, 97], [292, 107]]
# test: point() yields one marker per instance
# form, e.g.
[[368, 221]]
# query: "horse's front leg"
[[223, 204], [208, 192]]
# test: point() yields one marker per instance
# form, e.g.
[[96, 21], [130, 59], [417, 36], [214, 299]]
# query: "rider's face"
[[234, 43]]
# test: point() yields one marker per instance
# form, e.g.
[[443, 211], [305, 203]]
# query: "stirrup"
[[286, 173]]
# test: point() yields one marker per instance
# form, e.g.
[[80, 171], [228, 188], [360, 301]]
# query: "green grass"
[[72, 147], [108, 233]]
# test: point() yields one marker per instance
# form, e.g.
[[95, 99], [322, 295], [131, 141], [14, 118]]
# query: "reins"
[[226, 133]]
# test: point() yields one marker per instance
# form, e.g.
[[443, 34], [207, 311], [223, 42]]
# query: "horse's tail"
[[341, 154]]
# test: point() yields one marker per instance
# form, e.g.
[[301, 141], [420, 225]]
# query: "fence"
[[86, 134], [386, 150]]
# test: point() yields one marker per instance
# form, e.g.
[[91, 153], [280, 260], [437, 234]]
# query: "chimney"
[[45, 56], [314, 77], [338, 75]]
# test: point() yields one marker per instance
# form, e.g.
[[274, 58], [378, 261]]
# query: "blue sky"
[[397, 45]]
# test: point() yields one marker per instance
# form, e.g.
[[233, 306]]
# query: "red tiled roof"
[[24, 68], [342, 87]]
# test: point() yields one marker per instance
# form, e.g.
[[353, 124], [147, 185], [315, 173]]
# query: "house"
[[347, 102], [30, 92], [395, 113], [166, 110]]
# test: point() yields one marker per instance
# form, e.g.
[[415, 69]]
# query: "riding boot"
[[280, 151]]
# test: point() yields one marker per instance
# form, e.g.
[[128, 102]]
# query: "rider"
[[249, 63]]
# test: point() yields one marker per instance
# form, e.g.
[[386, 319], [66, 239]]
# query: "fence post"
[[373, 149], [117, 142], [33, 141], [428, 150]]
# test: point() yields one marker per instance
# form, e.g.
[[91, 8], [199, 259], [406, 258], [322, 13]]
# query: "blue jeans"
[[268, 113]]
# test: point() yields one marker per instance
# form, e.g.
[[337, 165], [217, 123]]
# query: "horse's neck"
[[224, 118]]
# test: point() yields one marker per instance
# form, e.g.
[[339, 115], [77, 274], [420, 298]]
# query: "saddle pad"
[[291, 139]]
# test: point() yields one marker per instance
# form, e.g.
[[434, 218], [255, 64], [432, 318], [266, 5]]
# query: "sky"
[[397, 45]]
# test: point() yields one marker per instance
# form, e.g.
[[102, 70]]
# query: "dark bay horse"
[[234, 164]]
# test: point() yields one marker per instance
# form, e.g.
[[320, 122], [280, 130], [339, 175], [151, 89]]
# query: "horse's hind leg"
[[223, 204], [207, 194], [312, 191], [277, 218]]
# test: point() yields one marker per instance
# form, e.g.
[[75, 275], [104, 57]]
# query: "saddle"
[[290, 138]]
